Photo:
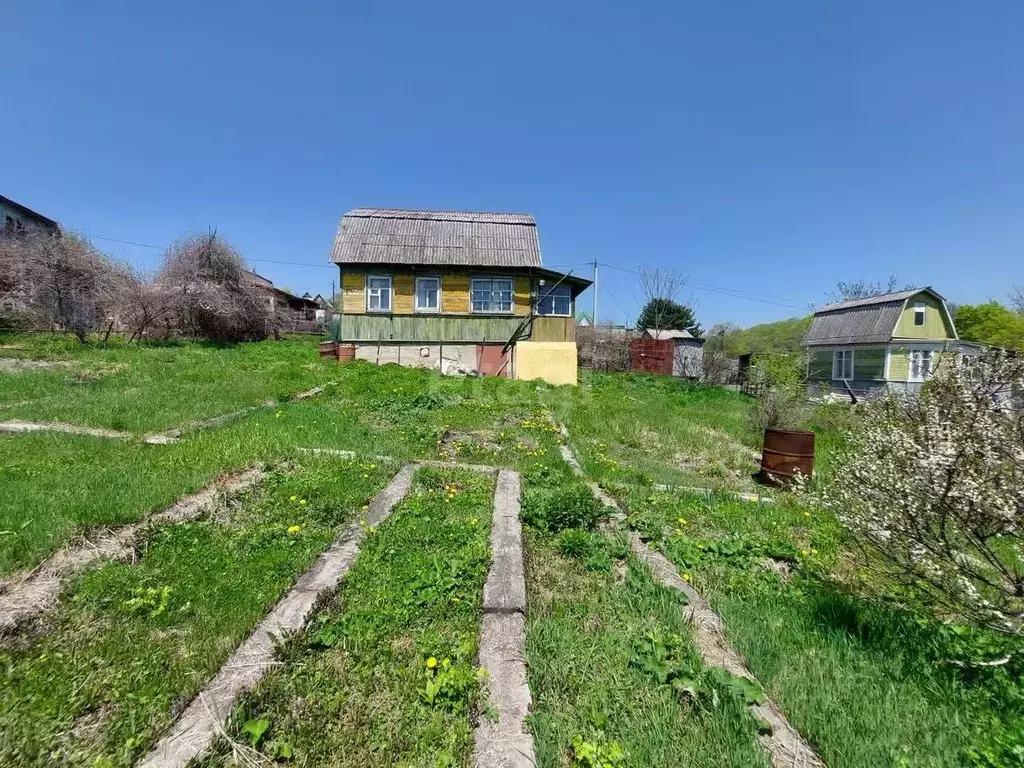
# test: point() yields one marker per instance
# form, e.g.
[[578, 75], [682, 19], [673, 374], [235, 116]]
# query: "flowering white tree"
[[934, 486]]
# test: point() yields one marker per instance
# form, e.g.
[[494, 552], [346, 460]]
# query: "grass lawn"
[[868, 684], [385, 673], [130, 644], [53, 486], [614, 674], [151, 387], [600, 636], [635, 428]]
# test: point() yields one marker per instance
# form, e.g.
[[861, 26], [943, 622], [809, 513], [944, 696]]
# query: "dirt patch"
[[454, 442]]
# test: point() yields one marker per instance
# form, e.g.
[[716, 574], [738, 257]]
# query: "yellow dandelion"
[[302, 501], [431, 663], [807, 514], [293, 529], [686, 577], [682, 521], [292, 498]]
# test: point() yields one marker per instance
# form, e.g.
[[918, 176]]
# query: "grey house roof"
[[656, 333], [438, 238], [870, 320]]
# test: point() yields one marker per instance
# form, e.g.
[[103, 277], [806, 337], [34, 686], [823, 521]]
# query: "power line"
[[262, 261], [731, 292]]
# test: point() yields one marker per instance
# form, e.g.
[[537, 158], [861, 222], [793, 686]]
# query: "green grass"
[[130, 644], [151, 387], [54, 486], [637, 428], [867, 683], [591, 615], [356, 688]]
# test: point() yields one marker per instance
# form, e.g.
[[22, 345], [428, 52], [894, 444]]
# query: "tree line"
[[62, 282]]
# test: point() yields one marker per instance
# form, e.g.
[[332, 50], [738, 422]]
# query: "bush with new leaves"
[[933, 485]]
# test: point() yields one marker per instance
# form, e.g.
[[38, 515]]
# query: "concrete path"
[[203, 719], [505, 742]]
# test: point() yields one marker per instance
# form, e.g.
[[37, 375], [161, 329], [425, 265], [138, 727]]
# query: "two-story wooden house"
[[888, 341], [455, 290]]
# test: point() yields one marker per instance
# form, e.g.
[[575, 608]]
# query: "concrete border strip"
[[784, 744], [36, 591], [19, 427], [741, 495], [505, 743], [168, 437], [202, 720]]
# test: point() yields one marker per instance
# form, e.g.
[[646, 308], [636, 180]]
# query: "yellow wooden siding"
[[551, 361], [899, 363], [522, 297], [353, 293], [935, 325], [553, 329], [402, 300], [455, 294]]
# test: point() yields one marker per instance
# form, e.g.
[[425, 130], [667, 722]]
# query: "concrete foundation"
[[457, 357]]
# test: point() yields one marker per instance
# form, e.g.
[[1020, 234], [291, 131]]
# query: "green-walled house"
[[888, 341]]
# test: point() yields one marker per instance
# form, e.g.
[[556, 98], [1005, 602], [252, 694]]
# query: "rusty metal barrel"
[[786, 453], [346, 353], [329, 349]]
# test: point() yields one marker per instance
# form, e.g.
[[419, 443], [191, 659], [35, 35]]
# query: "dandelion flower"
[[293, 498], [293, 529], [686, 577], [682, 521], [302, 501], [431, 663]]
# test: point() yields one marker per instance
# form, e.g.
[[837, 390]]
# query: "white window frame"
[[931, 364], [920, 306], [416, 294], [542, 291], [491, 279], [379, 293], [837, 366]]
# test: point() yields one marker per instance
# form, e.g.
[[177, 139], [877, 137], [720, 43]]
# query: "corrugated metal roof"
[[858, 324], [459, 238], [871, 320], [885, 298], [655, 333]]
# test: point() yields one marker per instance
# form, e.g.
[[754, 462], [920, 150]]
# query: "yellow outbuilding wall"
[[550, 361]]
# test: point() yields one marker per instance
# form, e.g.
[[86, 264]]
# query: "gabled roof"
[[436, 238], [871, 320]]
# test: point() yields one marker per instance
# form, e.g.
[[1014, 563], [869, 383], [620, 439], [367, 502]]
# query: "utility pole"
[[594, 318]]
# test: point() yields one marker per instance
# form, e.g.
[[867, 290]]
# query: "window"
[[554, 301], [919, 312], [920, 364], [842, 364], [428, 294], [378, 293], [491, 294]]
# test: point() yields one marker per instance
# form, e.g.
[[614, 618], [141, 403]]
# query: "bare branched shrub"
[[603, 348], [933, 485], [205, 285], [58, 281], [719, 364]]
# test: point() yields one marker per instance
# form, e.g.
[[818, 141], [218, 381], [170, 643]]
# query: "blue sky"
[[764, 148]]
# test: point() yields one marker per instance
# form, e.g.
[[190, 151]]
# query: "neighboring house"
[[16, 219], [888, 341], [687, 351], [455, 290], [295, 313]]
